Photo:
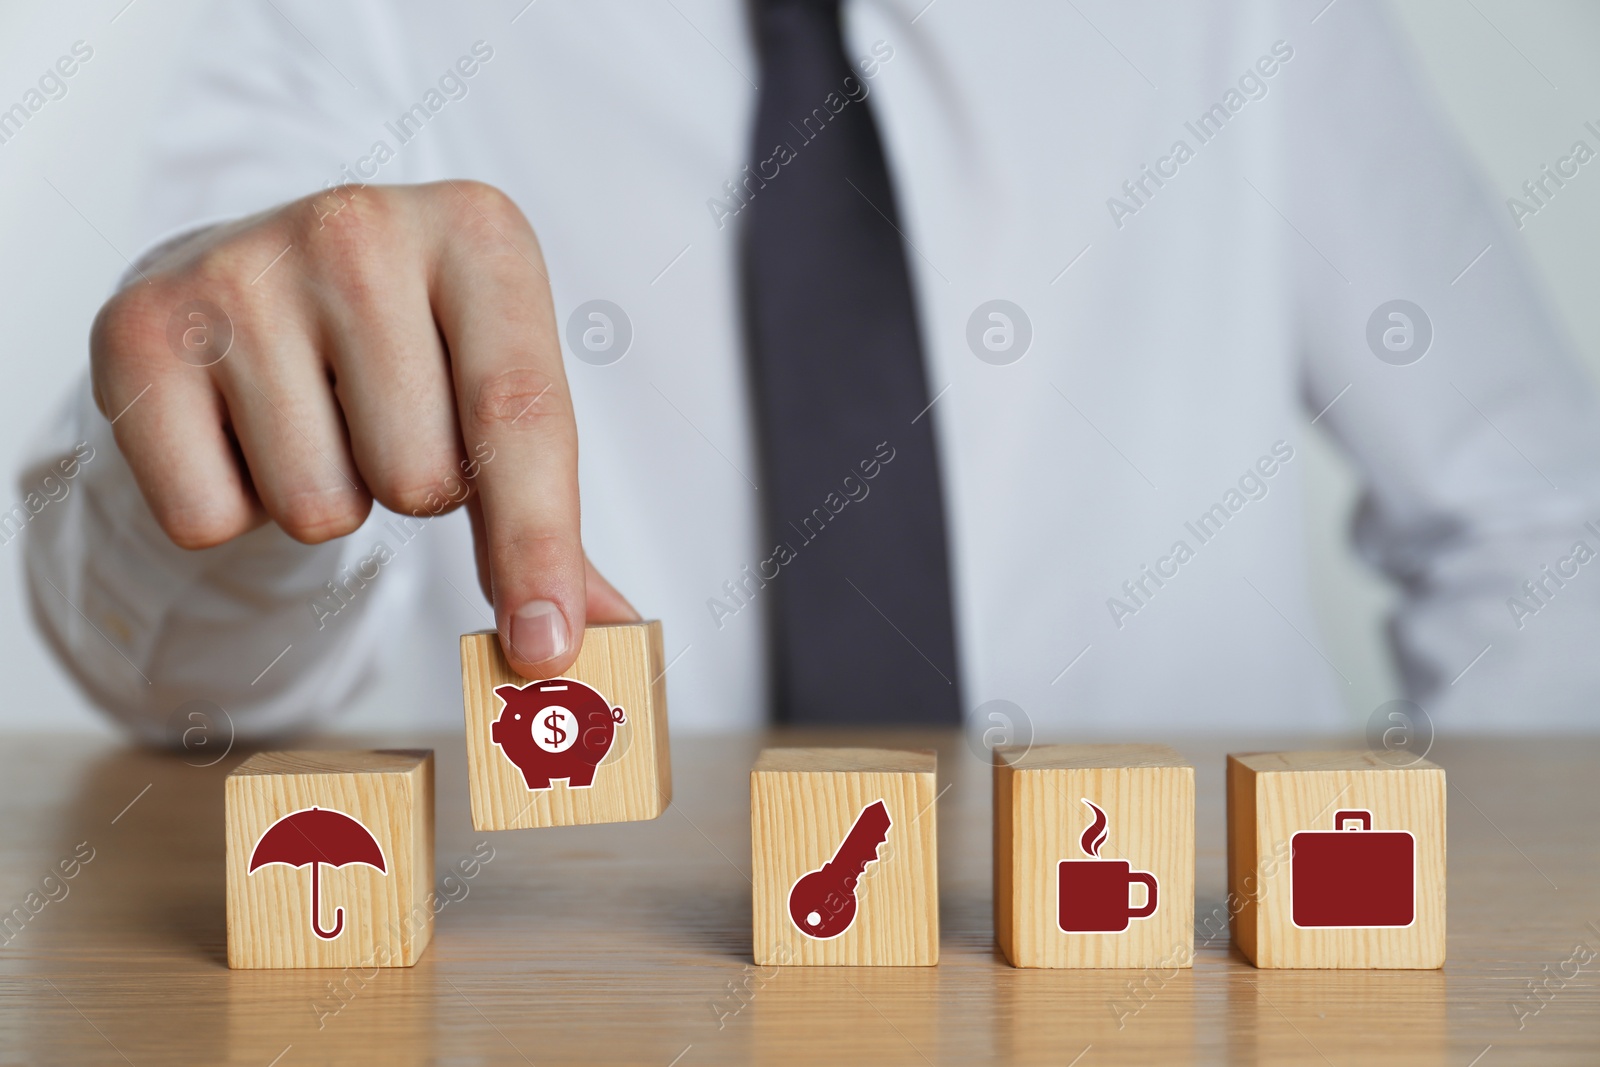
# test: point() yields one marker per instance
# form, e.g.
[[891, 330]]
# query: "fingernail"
[[538, 631]]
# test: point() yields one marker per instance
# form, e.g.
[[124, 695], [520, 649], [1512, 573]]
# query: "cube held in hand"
[[587, 747]]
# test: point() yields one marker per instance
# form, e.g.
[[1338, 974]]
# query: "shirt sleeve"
[[265, 631], [1474, 431], [271, 632]]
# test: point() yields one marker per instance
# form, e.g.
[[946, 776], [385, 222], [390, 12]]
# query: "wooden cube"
[[1336, 859], [330, 859], [845, 857], [1094, 856], [588, 747]]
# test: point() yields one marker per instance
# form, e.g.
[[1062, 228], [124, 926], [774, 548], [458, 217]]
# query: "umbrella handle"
[[316, 909]]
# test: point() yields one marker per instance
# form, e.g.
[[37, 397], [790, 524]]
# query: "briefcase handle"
[[1363, 817]]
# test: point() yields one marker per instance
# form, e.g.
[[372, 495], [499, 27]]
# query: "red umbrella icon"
[[317, 836]]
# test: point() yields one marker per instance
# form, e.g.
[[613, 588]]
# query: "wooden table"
[[631, 943]]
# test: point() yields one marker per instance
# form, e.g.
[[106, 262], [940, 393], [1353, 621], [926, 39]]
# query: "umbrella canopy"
[[316, 836]]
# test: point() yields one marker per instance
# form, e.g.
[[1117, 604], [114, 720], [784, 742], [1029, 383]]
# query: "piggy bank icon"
[[558, 728]]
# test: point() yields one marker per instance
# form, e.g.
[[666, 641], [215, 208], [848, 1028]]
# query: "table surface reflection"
[[631, 943]]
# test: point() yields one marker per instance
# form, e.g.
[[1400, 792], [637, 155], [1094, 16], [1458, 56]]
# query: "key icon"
[[822, 904]]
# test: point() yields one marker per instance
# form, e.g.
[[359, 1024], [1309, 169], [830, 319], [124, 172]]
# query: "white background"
[[1518, 81]]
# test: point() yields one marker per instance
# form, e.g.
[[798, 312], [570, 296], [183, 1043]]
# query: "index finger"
[[492, 302]]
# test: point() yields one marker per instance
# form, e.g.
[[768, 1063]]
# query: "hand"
[[390, 343]]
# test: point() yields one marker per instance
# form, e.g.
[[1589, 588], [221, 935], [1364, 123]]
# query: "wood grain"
[[388, 919], [1147, 793], [1274, 795], [803, 801], [630, 943], [624, 662]]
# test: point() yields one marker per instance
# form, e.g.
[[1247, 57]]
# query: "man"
[[1021, 417]]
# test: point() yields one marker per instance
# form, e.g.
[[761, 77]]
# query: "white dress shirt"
[[1196, 207]]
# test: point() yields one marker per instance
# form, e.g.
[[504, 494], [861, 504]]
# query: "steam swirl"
[[1095, 835]]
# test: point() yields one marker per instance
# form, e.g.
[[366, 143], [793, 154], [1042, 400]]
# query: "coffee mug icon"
[[1094, 895]]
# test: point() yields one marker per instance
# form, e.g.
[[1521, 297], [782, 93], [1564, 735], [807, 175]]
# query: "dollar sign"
[[557, 734]]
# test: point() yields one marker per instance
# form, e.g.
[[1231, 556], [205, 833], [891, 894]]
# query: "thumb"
[[605, 603]]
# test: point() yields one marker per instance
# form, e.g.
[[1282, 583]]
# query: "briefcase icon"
[[1344, 878]]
